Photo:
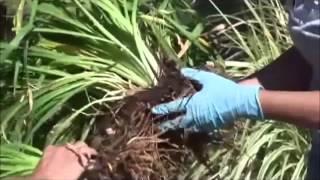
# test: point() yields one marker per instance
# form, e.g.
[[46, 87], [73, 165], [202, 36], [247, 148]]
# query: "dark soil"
[[128, 140]]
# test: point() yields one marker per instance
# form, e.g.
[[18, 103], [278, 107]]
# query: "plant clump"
[[130, 144]]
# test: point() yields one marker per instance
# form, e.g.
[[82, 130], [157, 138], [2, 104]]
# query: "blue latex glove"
[[220, 101]]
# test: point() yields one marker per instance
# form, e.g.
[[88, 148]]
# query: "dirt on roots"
[[131, 146]]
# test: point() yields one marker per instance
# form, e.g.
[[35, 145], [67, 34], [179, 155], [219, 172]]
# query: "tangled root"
[[131, 146]]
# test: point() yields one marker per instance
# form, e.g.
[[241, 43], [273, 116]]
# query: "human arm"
[[288, 77], [299, 108], [62, 162], [222, 101], [287, 80]]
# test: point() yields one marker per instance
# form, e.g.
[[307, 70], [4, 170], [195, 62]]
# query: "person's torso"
[[304, 27]]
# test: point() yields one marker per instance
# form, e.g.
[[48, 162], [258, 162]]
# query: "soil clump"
[[130, 144]]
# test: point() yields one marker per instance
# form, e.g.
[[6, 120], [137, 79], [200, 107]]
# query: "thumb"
[[180, 122], [171, 107]]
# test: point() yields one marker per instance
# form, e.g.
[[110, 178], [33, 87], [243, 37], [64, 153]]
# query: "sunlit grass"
[[70, 58]]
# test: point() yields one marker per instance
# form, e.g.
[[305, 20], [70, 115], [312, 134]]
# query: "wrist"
[[251, 106], [250, 82]]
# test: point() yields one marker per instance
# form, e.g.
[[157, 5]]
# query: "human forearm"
[[299, 108], [221, 101]]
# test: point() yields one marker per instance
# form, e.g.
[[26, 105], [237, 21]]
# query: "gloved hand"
[[220, 101]]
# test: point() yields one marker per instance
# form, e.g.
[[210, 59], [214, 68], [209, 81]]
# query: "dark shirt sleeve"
[[289, 72]]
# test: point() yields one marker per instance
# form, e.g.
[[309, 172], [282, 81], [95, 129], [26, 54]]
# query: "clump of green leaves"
[[82, 47], [69, 58], [18, 159]]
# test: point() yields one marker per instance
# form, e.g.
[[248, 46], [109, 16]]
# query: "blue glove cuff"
[[251, 108]]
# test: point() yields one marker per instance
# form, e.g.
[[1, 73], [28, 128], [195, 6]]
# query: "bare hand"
[[66, 162]]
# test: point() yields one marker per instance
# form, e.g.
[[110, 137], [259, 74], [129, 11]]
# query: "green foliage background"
[[70, 57]]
